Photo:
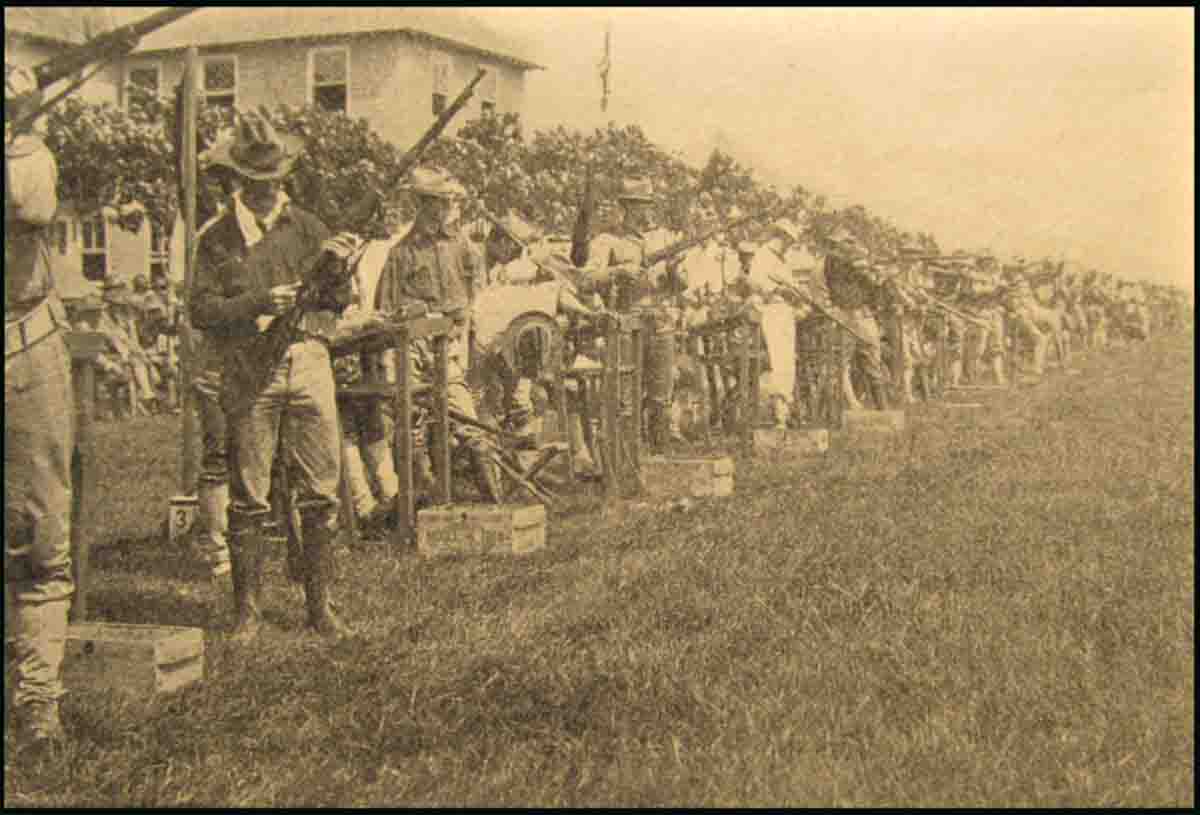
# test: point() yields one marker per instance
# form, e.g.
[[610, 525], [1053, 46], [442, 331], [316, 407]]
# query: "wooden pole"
[[188, 465]]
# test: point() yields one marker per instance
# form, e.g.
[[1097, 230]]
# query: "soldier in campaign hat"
[[247, 274], [856, 292], [433, 265], [617, 263]]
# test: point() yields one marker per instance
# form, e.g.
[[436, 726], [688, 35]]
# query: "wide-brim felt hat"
[[433, 183], [255, 149], [843, 236], [517, 228], [638, 190]]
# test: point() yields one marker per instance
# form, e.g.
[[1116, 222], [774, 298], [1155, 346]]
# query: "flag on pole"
[[605, 66]]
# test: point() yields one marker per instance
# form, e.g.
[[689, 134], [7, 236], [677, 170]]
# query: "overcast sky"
[[1062, 132], [1045, 131]]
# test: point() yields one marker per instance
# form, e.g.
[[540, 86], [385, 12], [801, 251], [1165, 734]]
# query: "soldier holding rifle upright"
[[39, 427], [250, 266], [616, 261]]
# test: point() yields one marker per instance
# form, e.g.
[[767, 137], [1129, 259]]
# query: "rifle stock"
[[581, 235], [683, 244]]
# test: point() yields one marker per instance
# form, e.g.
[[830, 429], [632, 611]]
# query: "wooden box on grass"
[[481, 529], [805, 442], [669, 477], [873, 421], [141, 660]]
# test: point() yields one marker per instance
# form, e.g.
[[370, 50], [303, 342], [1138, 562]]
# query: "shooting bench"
[[401, 393], [733, 342], [612, 427], [819, 342]]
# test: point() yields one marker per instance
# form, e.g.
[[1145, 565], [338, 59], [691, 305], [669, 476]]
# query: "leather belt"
[[23, 333]]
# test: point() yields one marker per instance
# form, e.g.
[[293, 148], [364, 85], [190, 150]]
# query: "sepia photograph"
[[442, 406]]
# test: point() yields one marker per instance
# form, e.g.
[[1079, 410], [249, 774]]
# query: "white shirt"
[[251, 232]]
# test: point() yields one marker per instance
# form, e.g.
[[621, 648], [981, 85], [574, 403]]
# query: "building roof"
[[56, 25], [237, 26]]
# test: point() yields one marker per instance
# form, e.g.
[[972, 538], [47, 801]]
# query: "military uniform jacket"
[[850, 289], [30, 200], [433, 267]]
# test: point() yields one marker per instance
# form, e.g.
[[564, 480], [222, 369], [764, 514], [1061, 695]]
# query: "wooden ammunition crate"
[[804, 442], [141, 660], [667, 477], [481, 529], [873, 421]]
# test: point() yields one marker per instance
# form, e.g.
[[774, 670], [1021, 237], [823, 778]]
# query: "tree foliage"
[[110, 156]]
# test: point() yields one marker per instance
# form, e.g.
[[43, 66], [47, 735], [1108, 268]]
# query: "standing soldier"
[[433, 264], [249, 269], [987, 338], [853, 289], [212, 489], [507, 263], [909, 349], [39, 430], [617, 261], [1019, 305], [1096, 308]]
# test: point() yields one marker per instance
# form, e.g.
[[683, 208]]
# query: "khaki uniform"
[[39, 438]]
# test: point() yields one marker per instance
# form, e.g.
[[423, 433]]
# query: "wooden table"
[[398, 337]]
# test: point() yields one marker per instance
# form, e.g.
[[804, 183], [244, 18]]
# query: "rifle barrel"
[[120, 40]]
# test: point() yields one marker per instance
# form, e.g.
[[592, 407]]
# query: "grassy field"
[[997, 610]]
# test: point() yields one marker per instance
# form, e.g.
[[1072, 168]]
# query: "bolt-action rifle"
[[326, 271], [100, 50], [793, 290]]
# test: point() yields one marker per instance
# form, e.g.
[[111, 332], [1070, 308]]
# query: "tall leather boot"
[[956, 372], [485, 474], [212, 539], [36, 643], [247, 548], [909, 397], [318, 550]]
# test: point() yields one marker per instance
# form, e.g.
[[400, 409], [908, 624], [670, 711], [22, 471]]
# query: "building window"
[[329, 78], [95, 249], [160, 251], [146, 77], [487, 90], [441, 81], [220, 81]]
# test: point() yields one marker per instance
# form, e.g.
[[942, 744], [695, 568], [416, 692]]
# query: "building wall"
[[391, 79]]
